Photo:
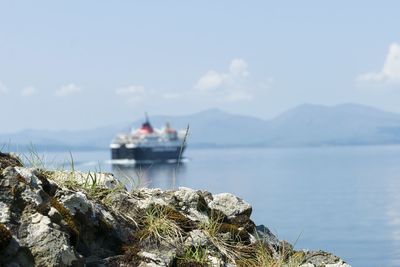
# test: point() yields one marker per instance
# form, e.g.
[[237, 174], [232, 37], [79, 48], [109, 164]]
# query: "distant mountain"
[[346, 124], [305, 125]]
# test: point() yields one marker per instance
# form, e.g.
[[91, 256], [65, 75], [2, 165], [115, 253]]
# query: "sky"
[[83, 64]]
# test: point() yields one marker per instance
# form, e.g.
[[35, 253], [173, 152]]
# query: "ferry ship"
[[149, 145]]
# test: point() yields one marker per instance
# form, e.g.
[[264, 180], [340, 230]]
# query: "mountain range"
[[304, 125]]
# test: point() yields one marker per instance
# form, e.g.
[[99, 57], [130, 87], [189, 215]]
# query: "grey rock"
[[49, 246], [161, 257], [197, 238], [28, 175], [32, 197], [75, 201], [263, 233], [5, 212], [230, 205], [323, 259], [54, 215], [187, 197]]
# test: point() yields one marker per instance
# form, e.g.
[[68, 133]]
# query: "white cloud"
[[390, 73], [230, 85], [3, 88], [28, 91], [211, 80], [238, 67], [132, 92], [68, 89]]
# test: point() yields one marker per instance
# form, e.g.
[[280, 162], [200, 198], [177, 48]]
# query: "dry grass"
[[227, 242], [230, 241], [157, 225]]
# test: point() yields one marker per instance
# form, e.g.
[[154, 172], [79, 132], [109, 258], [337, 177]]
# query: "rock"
[[30, 196], [55, 215], [29, 176], [186, 198], [230, 205], [192, 203], [264, 234], [215, 261], [197, 238], [161, 257], [323, 259], [4, 212], [48, 245], [74, 201]]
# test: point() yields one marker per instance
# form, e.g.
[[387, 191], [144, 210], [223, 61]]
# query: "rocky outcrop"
[[70, 218]]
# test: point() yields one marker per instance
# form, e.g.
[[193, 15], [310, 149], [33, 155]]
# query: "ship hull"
[[147, 154]]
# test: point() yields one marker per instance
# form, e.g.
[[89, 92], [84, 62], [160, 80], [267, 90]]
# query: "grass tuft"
[[193, 256], [260, 254], [222, 236], [156, 225], [34, 159]]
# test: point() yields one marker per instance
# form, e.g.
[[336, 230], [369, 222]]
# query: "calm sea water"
[[345, 200]]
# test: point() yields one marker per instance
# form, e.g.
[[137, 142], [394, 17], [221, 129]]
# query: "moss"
[[202, 204], [181, 220], [20, 179], [243, 221], [19, 187], [68, 218], [43, 176], [8, 160], [217, 216], [104, 226], [131, 255], [237, 233], [5, 236]]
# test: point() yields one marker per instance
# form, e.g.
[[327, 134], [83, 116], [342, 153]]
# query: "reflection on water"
[[161, 175]]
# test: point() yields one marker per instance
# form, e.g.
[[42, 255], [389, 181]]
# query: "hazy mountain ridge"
[[305, 125]]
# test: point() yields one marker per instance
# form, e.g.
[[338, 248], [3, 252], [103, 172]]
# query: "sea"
[[345, 200]]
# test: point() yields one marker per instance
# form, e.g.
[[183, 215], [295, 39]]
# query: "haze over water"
[[339, 199]]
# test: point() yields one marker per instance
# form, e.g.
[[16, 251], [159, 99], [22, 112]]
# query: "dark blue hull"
[[145, 154]]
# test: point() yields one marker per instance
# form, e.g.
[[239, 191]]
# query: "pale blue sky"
[[81, 64]]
